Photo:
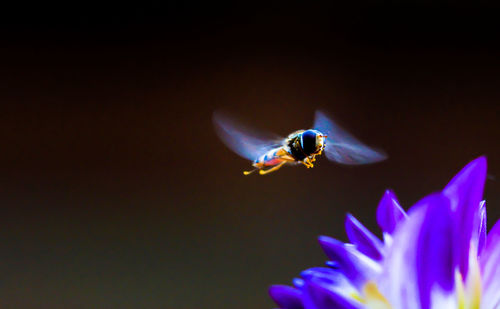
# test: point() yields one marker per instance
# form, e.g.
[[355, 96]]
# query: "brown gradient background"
[[116, 193]]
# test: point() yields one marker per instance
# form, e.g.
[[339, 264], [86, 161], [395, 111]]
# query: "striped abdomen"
[[270, 158]]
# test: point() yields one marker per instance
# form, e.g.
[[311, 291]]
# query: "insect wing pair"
[[340, 147]]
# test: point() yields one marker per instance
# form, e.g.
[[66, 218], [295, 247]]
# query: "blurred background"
[[115, 191]]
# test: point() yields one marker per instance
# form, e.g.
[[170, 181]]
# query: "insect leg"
[[249, 172], [275, 168], [307, 163]]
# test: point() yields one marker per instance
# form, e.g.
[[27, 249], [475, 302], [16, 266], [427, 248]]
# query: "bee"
[[270, 153]]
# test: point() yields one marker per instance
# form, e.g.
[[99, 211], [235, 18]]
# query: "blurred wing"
[[342, 147], [244, 141]]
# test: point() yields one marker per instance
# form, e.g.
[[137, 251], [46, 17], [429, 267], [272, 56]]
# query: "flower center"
[[469, 292], [371, 297]]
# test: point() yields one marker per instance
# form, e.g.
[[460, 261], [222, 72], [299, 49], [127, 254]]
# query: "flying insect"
[[270, 153]]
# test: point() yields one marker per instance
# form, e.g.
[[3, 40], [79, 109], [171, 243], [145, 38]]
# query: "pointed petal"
[[364, 240], [434, 255], [398, 281], [332, 264], [419, 262], [336, 251], [482, 227], [298, 283], [332, 278], [465, 192], [354, 265], [286, 297], [490, 269], [389, 213], [317, 296]]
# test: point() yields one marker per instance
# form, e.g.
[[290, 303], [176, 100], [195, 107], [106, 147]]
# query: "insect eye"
[[309, 141]]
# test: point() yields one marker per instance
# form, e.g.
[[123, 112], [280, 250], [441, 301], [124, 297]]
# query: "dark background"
[[116, 193]]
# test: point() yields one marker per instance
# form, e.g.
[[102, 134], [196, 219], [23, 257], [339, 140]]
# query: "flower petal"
[[398, 281], [482, 227], [354, 265], [490, 269], [389, 213], [298, 283], [434, 252], [286, 297], [331, 278], [419, 266], [465, 192], [317, 296], [332, 264], [364, 240]]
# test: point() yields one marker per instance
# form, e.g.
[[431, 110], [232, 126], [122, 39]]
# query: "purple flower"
[[436, 256]]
